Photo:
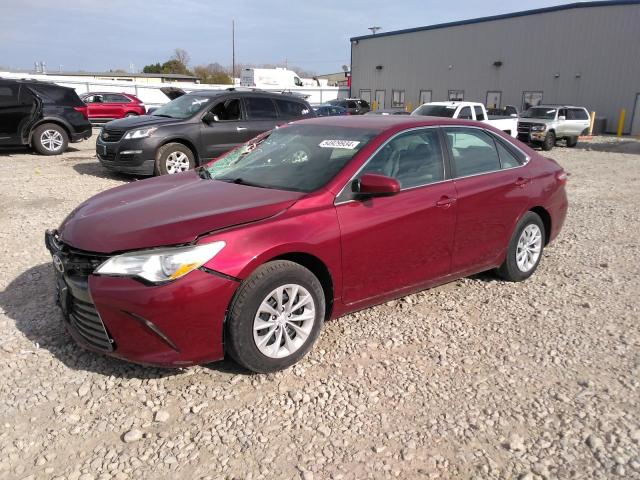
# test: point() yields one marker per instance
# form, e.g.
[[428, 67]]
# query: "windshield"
[[301, 158], [537, 112], [183, 107], [435, 110]]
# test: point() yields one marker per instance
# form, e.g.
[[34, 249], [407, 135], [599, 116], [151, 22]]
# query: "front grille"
[[76, 300], [524, 127], [112, 134], [87, 322]]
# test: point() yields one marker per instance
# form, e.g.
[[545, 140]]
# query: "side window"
[[479, 113], [26, 97], [260, 108], [115, 98], [465, 113], [507, 159], [563, 113], [227, 110], [473, 151], [8, 95], [414, 159], [288, 108], [578, 114]]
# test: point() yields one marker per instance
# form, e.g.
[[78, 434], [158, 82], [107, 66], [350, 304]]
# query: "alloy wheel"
[[529, 247], [284, 321], [51, 140], [177, 162]]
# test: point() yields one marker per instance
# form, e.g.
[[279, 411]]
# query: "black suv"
[[193, 129], [43, 115], [354, 106]]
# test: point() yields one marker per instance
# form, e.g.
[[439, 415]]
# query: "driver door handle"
[[240, 129], [445, 202], [521, 181]]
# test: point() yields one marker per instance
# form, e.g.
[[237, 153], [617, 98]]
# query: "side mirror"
[[562, 117], [210, 118], [375, 185]]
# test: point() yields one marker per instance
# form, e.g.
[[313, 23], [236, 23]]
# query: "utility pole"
[[233, 51], [374, 30]]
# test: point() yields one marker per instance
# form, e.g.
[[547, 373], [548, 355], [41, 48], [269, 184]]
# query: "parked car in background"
[[354, 106], [468, 111], [328, 110], [508, 110], [543, 125], [193, 129], [106, 106], [308, 222], [387, 111], [42, 115]]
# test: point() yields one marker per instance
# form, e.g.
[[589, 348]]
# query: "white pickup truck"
[[469, 111]]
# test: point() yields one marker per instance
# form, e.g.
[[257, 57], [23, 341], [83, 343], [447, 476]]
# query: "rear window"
[[57, 95], [260, 108], [287, 108], [435, 111]]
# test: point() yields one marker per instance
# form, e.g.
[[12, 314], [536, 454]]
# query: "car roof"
[[560, 105], [383, 123], [243, 93]]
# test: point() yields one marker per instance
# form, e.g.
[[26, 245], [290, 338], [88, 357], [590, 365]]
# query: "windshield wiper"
[[162, 115], [241, 181]]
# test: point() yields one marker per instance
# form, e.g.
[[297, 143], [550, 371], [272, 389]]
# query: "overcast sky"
[[97, 35]]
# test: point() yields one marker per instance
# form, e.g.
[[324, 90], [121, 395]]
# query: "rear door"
[[14, 114], [404, 240], [230, 130], [578, 119], [261, 115], [490, 198]]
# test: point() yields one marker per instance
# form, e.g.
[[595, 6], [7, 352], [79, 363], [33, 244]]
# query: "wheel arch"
[[187, 143], [546, 221], [56, 121]]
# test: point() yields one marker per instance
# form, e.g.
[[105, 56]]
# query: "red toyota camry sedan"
[[250, 254]]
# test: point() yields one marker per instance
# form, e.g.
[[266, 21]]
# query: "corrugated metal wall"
[[595, 51]]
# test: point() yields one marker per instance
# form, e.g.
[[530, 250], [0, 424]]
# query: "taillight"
[[83, 111], [562, 177]]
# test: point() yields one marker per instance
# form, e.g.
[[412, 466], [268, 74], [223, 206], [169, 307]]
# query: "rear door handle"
[[521, 181], [240, 129], [445, 202]]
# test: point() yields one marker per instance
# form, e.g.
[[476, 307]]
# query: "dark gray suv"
[[193, 129]]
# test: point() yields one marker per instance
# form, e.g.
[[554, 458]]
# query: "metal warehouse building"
[[585, 54]]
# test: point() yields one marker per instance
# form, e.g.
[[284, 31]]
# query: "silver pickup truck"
[[545, 124]]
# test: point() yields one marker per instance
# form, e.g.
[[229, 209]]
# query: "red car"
[[105, 106], [250, 254]]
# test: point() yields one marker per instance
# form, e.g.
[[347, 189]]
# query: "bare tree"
[[181, 55]]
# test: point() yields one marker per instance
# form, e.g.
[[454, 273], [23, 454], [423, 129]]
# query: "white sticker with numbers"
[[347, 144]]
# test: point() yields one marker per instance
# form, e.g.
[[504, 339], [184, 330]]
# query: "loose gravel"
[[476, 379]]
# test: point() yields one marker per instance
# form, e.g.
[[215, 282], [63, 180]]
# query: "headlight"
[[140, 132], [538, 128], [160, 265]]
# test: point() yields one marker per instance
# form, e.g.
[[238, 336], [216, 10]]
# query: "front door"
[[95, 106], [228, 131], [379, 99], [261, 115], [405, 240], [493, 99], [489, 198]]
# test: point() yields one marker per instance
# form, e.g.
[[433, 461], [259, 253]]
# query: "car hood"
[[167, 210], [538, 121], [140, 121]]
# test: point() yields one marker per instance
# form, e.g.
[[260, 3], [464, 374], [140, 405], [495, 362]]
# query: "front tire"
[[50, 139], [275, 317], [525, 249], [549, 141], [174, 158], [130, 114]]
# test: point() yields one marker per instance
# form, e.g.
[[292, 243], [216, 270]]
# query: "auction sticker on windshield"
[[199, 101], [348, 144]]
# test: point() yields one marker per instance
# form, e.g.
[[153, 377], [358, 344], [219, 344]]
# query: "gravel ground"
[[476, 379]]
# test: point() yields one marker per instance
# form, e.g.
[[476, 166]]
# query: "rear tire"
[[525, 249], [174, 158], [549, 141], [131, 114], [572, 141], [50, 139], [262, 342]]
